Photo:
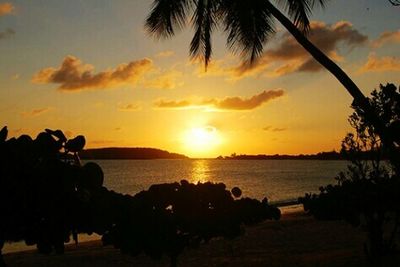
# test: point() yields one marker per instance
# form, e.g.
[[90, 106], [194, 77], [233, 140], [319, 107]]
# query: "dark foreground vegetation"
[[367, 195], [47, 197]]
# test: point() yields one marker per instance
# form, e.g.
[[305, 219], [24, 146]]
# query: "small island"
[[128, 153]]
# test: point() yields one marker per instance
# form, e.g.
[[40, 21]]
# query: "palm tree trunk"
[[359, 99]]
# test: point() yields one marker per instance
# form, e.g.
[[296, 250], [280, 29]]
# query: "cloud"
[[7, 33], [164, 54], [167, 80], [289, 57], [228, 103], [35, 112], [296, 59], [172, 104], [238, 103], [272, 129], [6, 8], [73, 75], [387, 37], [376, 64], [128, 107]]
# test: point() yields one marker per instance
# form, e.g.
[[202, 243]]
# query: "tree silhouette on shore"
[[367, 195]]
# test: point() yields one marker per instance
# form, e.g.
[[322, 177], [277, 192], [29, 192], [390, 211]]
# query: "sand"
[[295, 240]]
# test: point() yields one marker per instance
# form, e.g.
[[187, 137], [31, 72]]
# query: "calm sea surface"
[[279, 180]]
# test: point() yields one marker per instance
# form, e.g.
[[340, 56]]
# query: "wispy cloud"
[[6, 8], [228, 103], [387, 37], [274, 129], [73, 75], [165, 54], [35, 112], [167, 80], [173, 104], [7, 33], [376, 64], [128, 107]]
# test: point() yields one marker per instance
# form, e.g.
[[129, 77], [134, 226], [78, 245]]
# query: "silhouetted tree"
[[249, 25], [368, 193], [47, 196]]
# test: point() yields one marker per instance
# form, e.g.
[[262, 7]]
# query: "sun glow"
[[200, 140]]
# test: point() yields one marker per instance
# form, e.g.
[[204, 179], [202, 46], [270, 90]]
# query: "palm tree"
[[249, 25], [395, 2]]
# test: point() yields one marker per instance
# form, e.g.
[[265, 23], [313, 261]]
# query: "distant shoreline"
[[142, 153]]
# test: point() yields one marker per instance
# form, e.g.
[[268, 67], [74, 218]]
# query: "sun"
[[201, 139]]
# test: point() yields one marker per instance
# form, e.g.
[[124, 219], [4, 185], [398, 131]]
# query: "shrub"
[[368, 193]]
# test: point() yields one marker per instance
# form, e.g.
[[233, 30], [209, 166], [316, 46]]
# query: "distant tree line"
[[333, 155], [128, 153]]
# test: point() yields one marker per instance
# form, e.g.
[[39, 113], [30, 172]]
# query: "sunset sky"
[[89, 67]]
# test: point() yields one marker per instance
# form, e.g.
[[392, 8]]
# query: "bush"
[[368, 193], [46, 197]]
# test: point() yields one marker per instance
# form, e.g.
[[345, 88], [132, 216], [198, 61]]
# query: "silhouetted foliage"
[[47, 196], [368, 193]]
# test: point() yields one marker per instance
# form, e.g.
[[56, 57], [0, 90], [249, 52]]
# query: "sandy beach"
[[295, 240]]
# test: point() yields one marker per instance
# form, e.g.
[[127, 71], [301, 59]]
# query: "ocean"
[[278, 180]]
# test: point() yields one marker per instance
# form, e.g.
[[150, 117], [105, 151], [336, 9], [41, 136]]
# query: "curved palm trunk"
[[359, 99]]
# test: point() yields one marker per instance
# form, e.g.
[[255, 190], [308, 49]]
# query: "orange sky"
[[88, 67]]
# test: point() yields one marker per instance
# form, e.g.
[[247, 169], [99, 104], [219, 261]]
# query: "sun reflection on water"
[[200, 171]]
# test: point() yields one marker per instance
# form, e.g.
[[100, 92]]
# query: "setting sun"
[[201, 139]]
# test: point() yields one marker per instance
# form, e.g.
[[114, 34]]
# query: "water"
[[279, 180]]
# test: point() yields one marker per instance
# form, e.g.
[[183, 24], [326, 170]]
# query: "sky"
[[89, 67]]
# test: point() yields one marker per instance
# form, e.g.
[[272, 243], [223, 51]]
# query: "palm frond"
[[249, 25], [300, 11], [204, 22], [167, 16]]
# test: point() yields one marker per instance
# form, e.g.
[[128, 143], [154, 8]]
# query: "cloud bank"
[[228, 103], [376, 64], [73, 75], [289, 57], [387, 37]]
